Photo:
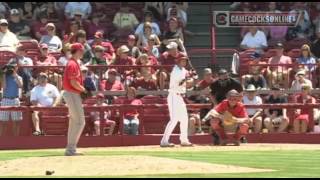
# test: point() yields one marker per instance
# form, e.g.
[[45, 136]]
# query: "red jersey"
[[148, 85], [72, 71], [310, 100], [105, 85], [47, 61], [204, 84], [238, 110]]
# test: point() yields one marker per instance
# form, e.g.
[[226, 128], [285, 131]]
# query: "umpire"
[[73, 88], [223, 85]]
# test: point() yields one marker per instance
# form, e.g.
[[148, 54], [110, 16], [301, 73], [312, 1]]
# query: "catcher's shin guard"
[[242, 131]]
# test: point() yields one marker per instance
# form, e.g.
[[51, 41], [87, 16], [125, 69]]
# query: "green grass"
[[287, 163]]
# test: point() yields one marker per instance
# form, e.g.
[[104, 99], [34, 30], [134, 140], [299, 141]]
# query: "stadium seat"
[[5, 56], [54, 122], [30, 45]]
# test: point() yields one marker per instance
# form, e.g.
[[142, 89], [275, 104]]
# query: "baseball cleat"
[[73, 154], [167, 145], [186, 144]]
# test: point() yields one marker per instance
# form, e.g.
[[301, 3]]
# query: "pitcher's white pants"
[[178, 112]]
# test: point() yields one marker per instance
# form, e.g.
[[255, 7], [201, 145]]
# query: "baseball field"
[[247, 160]]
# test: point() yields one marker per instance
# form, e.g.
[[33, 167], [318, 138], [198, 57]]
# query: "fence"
[[122, 109]]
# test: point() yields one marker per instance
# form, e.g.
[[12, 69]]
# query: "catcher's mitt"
[[228, 119]]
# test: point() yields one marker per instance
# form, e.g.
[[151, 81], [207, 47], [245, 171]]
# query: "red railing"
[[122, 109]]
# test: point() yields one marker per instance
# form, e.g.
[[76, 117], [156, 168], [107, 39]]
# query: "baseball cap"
[[98, 48], [172, 45], [83, 68], [77, 46], [207, 71], [131, 37], [14, 12], [123, 49], [50, 25], [100, 95], [43, 46], [42, 74], [98, 34], [3, 21], [279, 45], [301, 72], [276, 88], [112, 71], [222, 71], [78, 13]]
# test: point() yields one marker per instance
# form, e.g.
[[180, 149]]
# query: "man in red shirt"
[[123, 58], [207, 79], [111, 84], [229, 116], [73, 87], [168, 58], [45, 58], [109, 52], [131, 120]]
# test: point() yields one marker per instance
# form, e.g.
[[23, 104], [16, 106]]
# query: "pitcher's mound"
[[112, 166]]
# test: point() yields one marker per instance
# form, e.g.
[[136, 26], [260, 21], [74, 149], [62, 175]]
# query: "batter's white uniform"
[[176, 105]]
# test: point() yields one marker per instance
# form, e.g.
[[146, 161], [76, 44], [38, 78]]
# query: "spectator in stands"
[[123, 58], [63, 60], [207, 79], [148, 17], [152, 49], [19, 26], [81, 37], [275, 33], [147, 32], [124, 21], [106, 118], [45, 59], [315, 46], [131, 120], [72, 7], [300, 80], [254, 39], [255, 63], [98, 58], [168, 58], [54, 42], [316, 75], [28, 12], [11, 84], [277, 119], [39, 27], [156, 8], [280, 74], [302, 116], [72, 30], [59, 7], [173, 34], [8, 40], [52, 13], [303, 30], [306, 58], [25, 73], [42, 95], [255, 115], [176, 11], [109, 52], [111, 83], [134, 51], [145, 77], [4, 8], [220, 87], [257, 79], [94, 26], [89, 80]]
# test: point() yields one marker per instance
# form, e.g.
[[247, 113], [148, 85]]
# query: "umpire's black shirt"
[[219, 88]]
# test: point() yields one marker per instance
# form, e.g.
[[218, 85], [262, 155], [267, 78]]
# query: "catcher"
[[230, 116]]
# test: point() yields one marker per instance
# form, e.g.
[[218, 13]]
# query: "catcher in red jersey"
[[229, 116]]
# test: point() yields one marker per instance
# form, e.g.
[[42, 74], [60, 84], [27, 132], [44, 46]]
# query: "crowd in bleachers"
[[149, 34]]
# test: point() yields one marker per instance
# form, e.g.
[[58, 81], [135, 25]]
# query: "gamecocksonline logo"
[[240, 19]]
